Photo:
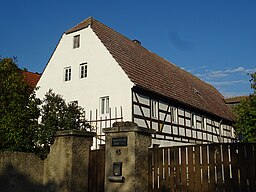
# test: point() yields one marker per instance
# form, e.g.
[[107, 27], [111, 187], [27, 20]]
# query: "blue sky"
[[212, 39]]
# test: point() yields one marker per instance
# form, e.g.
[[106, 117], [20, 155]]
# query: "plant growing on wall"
[[246, 115]]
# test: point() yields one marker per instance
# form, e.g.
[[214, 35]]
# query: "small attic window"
[[76, 41], [196, 91]]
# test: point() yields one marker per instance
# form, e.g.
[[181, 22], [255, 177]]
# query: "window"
[[76, 41], [67, 74], [174, 114], [104, 105], [193, 120], [154, 109], [83, 70], [204, 123]]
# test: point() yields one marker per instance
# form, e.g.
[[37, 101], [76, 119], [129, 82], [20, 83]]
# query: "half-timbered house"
[[101, 69]]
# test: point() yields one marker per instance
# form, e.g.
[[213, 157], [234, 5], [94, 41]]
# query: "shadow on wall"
[[12, 180]]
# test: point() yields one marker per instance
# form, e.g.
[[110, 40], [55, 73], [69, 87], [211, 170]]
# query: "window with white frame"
[[154, 109], [83, 70], [76, 41], [204, 123], [104, 105], [193, 120], [174, 113], [67, 74]]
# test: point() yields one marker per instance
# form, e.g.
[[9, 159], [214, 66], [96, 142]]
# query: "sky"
[[212, 39]]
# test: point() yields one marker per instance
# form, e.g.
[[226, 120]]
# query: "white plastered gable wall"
[[104, 75]]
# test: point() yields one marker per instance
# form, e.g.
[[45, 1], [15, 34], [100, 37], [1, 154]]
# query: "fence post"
[[126, 154], [68, 161]]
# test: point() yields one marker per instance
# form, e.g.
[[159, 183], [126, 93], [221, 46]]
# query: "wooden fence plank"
[[242, 160], [183, 169], [172, 163], [166, 171], [219, 167], [191, 175], [205, 186], [156, 167], [251, 168], [177, 169], [150, 185], [198, 186], [234, 167], [227, 180], [212, 186], [160, 170]]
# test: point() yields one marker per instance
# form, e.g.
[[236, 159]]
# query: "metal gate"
[[97, 170]]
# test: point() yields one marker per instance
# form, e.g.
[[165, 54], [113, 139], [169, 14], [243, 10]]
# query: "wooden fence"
[[210, 167]]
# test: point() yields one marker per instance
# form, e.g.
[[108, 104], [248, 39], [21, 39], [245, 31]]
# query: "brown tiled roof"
[[151, 72], [31, 78], [238, 99]]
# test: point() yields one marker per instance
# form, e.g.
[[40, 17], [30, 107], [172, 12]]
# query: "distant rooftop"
[[235, 100], [31, 78]]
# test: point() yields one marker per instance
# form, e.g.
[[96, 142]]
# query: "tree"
[[18, 109], [57, 115], [246, 115]]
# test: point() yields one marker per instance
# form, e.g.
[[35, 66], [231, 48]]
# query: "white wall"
[[105, 76]]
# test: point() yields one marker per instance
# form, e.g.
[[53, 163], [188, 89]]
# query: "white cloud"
[[207, 74], [228, 83]]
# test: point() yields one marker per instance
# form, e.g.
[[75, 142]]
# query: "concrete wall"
[[21, 172], [65, 168]]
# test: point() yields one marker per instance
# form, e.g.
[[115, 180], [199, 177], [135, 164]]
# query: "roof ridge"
[[83, 24]]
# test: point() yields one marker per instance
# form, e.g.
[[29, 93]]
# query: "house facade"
[[111, 75]]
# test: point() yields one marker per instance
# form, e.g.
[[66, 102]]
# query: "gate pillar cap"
[[124, 128], [78, 133]]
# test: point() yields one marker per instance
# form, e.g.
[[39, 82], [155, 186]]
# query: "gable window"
[[67, 74], [104, 105], [76, 41], [83, 70], [154, 109]]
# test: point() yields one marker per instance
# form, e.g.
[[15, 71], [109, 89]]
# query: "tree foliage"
[[246, 115], [57, 115], [20, 110]]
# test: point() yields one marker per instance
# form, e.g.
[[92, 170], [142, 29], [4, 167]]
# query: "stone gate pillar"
[[66, 166], [126, 154]]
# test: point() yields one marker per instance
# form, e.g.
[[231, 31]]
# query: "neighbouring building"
[[31, 78], [99, 68], [234, 101]]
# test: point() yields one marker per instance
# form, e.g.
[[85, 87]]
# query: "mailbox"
[[117, 168], [117, 173]]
